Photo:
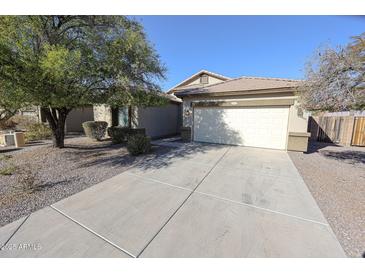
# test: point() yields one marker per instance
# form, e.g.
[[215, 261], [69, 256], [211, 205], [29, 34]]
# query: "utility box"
[[19, 139], [9, 139], [298, 141], [12, 139]]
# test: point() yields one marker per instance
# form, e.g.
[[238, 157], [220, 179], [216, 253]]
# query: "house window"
[[123, 116], [204, 79], [120, 116]]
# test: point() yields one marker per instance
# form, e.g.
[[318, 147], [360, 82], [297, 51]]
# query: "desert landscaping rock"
[[335, 176], [60, 172]]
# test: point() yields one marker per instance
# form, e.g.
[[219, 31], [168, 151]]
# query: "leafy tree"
[[6, 109], [8, 106], [64, 62], [335, 79]]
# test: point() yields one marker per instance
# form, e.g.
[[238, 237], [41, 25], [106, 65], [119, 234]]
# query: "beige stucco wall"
[[77, 116], [159, 121], [298, 119]]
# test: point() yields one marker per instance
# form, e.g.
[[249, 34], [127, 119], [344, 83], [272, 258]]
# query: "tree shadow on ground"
[[348, 156], [5, 150], [49, 185], [159, 157], [163, 156]]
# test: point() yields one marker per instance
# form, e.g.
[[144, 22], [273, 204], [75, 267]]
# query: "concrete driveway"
[[197, 201]]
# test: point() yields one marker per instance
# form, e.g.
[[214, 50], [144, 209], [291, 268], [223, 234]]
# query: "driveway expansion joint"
[[15, 231], [182, 204], [158, 181], [225, 199], [93, 232], [261, 208]]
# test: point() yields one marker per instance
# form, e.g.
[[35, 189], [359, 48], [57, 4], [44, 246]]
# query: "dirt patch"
[[60, 173], [335, 176]]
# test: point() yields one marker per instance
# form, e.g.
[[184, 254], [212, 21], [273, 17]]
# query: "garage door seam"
[[181, 205], [93, 232], [262, 208]]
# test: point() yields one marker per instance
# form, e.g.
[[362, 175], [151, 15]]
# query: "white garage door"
[[248, 126]]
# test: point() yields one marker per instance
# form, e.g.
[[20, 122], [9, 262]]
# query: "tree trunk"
[[59, 134], [56, 118], [130, 116]]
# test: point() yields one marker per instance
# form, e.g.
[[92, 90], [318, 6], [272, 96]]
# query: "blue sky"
[[267, 46]]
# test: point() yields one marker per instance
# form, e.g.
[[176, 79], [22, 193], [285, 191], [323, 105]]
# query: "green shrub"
[[37, 131], [8, 170], [122, 134], [118, 134], [5, 157], [138, 144], [27, 178], [95, 129], [137, 131]]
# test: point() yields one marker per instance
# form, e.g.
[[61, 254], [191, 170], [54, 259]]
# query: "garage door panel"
[[254, 126]]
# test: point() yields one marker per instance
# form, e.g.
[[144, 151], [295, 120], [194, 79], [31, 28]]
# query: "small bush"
[[122, 134], [137, 131], [118, 134], [37, 131], [8, 170], [24, 122], [95, 129], [5, 157], [27, 179], [8, 124], [138, 144]]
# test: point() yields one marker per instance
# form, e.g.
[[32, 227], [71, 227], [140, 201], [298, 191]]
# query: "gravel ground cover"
[[60, 173], [335, 176]]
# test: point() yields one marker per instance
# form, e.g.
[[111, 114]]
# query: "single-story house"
[[73, 122], [247, 111], [159, 121]]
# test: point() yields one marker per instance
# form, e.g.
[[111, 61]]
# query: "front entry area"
[[263, 127]]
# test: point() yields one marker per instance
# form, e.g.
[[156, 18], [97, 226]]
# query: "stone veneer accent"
[[186, 134], [103, 113]]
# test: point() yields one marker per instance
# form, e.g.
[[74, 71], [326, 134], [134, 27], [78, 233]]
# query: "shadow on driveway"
[[160, 156]]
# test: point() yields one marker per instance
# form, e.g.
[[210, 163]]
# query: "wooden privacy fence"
[[344, 130], [358, 136]]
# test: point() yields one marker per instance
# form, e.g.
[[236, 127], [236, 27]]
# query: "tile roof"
[[243, 84]]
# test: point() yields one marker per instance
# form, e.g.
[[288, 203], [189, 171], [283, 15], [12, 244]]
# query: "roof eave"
[[237, 92]]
